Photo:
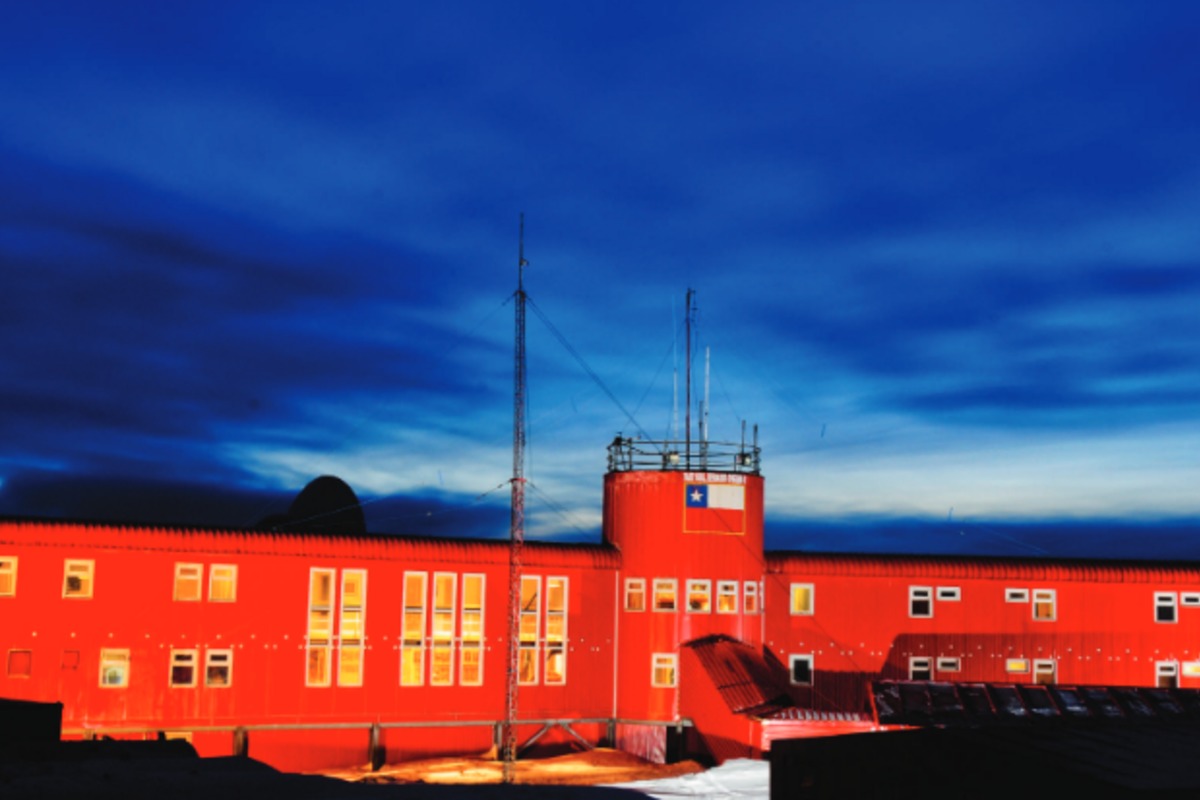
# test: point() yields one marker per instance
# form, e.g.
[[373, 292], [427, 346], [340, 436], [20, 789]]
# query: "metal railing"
[[626, 455]]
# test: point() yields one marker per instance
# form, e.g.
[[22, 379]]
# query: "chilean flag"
[[714, 508]]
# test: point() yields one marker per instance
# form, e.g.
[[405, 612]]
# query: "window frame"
[[1016, 595], [750, 590], [701, 589], [472, 642], [635, 587], [14, 657], [8, 576], [178, 659], [114, 660], [1042, 667], [948, 594], [1017, 666], [177, 595], [90, 577], [664, 661], [914, 597], [660, 587], [529, 667], [410, 644], [1049, 597], [1166, 669], [805, 591], [948, 664], [920, 664], [1172, 603], [726, 591], [212, 660], [222, 574], [1189, 599], [556, 646], [318, 639], [352, 615], [801, 658]]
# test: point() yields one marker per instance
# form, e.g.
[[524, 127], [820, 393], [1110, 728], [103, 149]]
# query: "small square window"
[[1166, 674], [1164, 607], [1044, 605], [727, 597], [183, 668], [1016, 665], [920, 601], [1016, 595], [189, 578], [949, 594], [664, 594], [802, 596], [920, 668], [114, 669], [699, 596], [801, 669], [20, 663], [1044, 670], [947, 664], [664, 666], [8, 576], [635, 594], [218, 668], [222, 583], [78, 577]]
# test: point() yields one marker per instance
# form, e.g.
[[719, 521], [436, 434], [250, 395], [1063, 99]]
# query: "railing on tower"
[[626, 454]]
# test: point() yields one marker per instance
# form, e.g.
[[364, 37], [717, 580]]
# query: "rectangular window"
[[114, 669], [802, 598], [1044, 605], [1166, 674], [20, 663], [1043, 671], [222, 583], [320, 626], [412, 637], [317, 672], [664, 594], [556, 631], [949, 594], [218, 668], [1191, 669], [635, 594], [183, 668], [8, 576], [699, 597], [441, 653], [948, 664], [470, 656], [800, 668], [78, 578], [727, 597], [1189, 599], [1016, 595], [1164, 607], [920, 668], [1016, 665], [189, 579], [750, 597], [663, 668], [920, 601], [527, 644], [352, 621]]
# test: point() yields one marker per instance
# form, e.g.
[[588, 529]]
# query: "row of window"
[[79, 580], [698, 596], [114, 667]]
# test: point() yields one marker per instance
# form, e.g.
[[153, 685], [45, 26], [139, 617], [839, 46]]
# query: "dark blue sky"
[[947, 255]]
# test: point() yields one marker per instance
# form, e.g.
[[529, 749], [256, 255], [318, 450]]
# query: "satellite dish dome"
[[327, 505]]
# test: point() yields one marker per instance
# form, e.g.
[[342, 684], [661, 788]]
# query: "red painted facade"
[[308, 640]]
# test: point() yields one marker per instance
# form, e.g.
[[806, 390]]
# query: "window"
[[635, 594], [78, 578], [801, 598], [727, 597], [183, 668], [8, 576], [222, 583], [800, 668], [949, 594], [188, 580], [412, 637], [920, 668], [352, 627], [320, 626], [114, 669], [663, 669], [1016, 665], [664, 594], [750, 597], [1189, 599], [1166, 675], [920, 601], [556, 630], [218, 668], [441, 652], [1043, 671], [1044, 605], [699, 596], [1164, 607], [527, 643], [20, 663], [70, 660], [949, 664], [1191, 669], [470, 655], [1016, 595]]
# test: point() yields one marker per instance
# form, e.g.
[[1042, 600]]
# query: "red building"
[[676, 633]]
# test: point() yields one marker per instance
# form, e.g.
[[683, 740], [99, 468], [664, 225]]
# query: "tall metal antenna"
[[517, 521]]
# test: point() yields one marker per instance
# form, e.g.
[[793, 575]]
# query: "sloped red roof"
[[747, 682]]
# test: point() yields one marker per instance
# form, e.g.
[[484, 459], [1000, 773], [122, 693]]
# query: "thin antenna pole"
[[517, 521], [688, 414]]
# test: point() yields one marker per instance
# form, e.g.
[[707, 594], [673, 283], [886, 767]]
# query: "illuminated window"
[[352, 627], [920, 668], [8, 576], [635, 594], [188, 581], [699, 596], [320, 626], [802, 598], [1016, 595], [78, 578], [1044, 670], [218, 668], [663, 668], [949, 594], [441, 654], [800, 669], [1044, 605], [1191, 669], [412, 642], [183, 668], [949, 664], [470, 656], [222, 583], [556, 630], [1164, 607], [920, 601], [1189, 599], [1166, 674], [20, 663], [114, 668], [531, 606], [727, 597], [664, 594], [1016, 665], [750, 597]]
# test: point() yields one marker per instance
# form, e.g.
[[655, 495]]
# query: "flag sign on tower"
[[714, 504]]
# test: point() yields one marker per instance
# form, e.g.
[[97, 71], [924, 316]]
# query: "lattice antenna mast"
[[517, 521]]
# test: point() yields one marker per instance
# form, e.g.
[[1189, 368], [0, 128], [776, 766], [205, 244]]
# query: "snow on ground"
[[739, 778]]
